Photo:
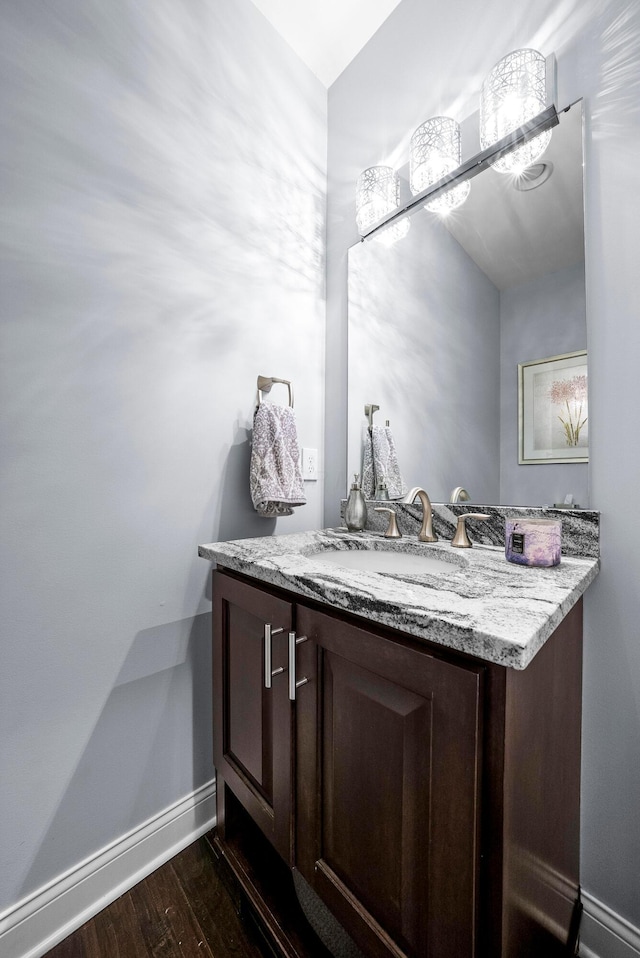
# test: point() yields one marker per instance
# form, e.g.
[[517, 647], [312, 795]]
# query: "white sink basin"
[[388, 560]]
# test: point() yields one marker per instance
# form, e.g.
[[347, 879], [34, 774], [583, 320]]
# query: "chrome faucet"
[[426, 530], [459, 494]]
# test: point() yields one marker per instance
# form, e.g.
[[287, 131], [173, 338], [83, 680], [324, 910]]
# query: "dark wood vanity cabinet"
[[252, 725], [388, 753], [430, 799]]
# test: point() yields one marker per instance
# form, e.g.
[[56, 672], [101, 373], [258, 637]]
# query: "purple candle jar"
[[535, 542]]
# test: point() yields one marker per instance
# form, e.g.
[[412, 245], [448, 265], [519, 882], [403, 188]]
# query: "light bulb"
[[436, 151], [513, 93], [377, 194]]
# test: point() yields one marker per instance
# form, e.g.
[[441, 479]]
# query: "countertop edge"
[[477, 642]]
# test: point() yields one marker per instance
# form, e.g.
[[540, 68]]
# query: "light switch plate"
[[309, 464]]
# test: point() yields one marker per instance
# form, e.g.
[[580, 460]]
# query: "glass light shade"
[[513, 93], [435, 151], [378, 193]]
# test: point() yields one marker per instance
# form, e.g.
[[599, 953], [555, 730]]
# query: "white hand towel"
[[380, 461], [275, 477]]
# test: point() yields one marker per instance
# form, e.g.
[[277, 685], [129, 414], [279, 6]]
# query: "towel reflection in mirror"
[[380, 463]]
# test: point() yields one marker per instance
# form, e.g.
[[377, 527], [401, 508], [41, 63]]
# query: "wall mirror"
[[439, 322]]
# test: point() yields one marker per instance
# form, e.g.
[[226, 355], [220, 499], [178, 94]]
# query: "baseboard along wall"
[[39, 922], [604, 934], [36, 924]]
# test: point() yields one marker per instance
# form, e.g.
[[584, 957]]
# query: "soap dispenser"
[[382, 491], [355, 513]]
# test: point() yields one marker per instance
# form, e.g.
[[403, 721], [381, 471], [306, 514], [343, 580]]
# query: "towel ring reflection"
[[266, 382], [369, 410]]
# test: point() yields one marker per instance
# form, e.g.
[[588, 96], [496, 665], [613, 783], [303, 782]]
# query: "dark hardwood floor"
[[185, 909]]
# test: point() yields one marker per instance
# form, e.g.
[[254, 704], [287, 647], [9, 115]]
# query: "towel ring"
[[266, 382]]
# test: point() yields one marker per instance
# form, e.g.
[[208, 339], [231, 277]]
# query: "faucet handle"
[[461, 540], [392, 529]]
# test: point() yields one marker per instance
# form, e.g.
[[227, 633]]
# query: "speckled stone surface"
[[485, 606], [580, 527]]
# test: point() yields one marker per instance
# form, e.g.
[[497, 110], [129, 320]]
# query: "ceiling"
[[327, 35], [515, 237]]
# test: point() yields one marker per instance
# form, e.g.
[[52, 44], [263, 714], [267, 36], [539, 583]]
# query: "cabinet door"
[[388, 767], [252, 724]]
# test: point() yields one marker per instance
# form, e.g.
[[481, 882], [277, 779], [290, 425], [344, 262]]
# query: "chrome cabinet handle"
[[293, 685], [268, 672]]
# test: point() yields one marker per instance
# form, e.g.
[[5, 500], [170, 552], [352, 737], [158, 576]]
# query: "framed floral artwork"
[[553, 409]]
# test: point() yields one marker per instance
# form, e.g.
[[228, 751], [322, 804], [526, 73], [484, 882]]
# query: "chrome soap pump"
[[355, 513]]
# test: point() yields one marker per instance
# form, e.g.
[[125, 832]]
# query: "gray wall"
[[545, 317], [424, 345], [164, 183], [418, 65]]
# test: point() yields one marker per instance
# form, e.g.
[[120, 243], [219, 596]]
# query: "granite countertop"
[[486, 607]]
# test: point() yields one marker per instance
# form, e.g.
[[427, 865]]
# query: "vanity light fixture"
[[515, 130], [435, 151], [377, 194], [513, 93]]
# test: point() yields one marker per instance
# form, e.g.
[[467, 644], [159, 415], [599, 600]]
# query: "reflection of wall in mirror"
[[424, 346], [437, 346], [546, 317]]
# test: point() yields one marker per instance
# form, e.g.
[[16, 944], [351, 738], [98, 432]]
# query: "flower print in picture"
[[571, 396], [553, 409], [533, 542]]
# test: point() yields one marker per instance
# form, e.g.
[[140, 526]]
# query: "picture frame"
[[553, 409]]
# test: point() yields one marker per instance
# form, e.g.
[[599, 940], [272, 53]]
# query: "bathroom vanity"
[[408, 743]]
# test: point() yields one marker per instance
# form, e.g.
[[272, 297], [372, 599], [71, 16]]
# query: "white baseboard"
[[39, 922], [604, 934], [36, 924]]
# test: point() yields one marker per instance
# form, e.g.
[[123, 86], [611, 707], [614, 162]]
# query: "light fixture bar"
[[470, 168]]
